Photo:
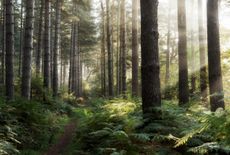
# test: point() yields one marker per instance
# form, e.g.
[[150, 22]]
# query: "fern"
[[185, 139], [140, 137]]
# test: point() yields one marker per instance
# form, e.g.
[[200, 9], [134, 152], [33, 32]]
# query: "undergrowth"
[[112, 127], [116, 127], [30, 127]]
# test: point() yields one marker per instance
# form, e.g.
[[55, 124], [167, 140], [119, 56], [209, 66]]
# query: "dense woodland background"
[[115, 77]]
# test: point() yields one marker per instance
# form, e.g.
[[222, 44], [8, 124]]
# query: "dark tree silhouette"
[[151, 94], [214, 61]]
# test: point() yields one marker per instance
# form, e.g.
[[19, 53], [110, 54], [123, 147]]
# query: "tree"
[[134, 48], [103, 42], [110, 50], [214, 60], [193, 61], [46, 63], [21, 38], [3, 39], [182, 51], [123, 47], [56, 48], [203, 68], [167, 72], [9, 76], [118, 50], [150, 70], [27, 49], [39, 44]]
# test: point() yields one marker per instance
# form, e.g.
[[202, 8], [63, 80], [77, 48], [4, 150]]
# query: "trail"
[[64, 140]]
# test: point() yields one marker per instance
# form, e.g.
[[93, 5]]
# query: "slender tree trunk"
[[9, 49], [110, 51], [64, 74], [74, 68], [103, 63], [167, 72], [39, 44], [134, 48], [80, 75], [118, 51], [21, 40], [182, 50], [78, 61], [150, 68], [3, 42], [70, 61], [47, 45], [214, 60], [203, 68], [27, 49], [123, 46], [193, 61], [56, 48]]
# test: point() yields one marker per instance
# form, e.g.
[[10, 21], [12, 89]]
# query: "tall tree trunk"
[[39, 44], [110, 51], [193, 60], [78, 61], [3, 29], [47, 45], [134, 48], [56, 48], [27, 49], [150, 67], [75, 60], [71, 61], [64, 73], [167, 72], [80, 75], [123, 47], [21, 40], [103, 42], [203, 68], [118, 49], [9, 76], [182, 51], [74, 67], [214, 60]]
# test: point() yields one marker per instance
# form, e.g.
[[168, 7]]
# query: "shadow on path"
[[64, 140]]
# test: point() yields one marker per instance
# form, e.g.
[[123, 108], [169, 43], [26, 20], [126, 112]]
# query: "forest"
[[114, 77]]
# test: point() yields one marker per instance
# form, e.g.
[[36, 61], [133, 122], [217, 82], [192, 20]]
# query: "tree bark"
[[150, 68], [110, 51], [203, 68], [103, 61], [182, 51], [3, 42], [193, 61], [47, 45], [214, 59], [118, 50], [39, 44], [9, 76], [123, 47], [27, 50], [71, 61], [21, 40], [56, 48], [134, 49], [167, 71]]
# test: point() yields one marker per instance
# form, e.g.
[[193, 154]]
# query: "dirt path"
[[64, 140]]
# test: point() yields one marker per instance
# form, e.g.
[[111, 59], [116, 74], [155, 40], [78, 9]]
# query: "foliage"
[[30, 125], [213, 130]]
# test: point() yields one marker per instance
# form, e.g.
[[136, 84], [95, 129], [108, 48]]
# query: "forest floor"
[[111, 127], [64, 140]]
